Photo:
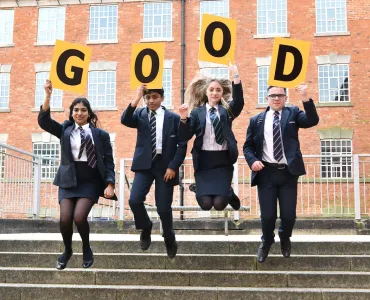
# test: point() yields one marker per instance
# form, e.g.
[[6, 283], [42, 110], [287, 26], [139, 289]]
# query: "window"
[[333, 83], [263, 75], [331, 16], [218, 8], [102, 88], [6, 27], [271, 17], [103, 23], [157, 20], [167, 86], [4, 90], [56, 96], [48, 167], [51, 24], [2, 162], [336, 160], [218, 73]]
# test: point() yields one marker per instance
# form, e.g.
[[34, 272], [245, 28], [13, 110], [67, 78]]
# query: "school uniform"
[[75, 178], [151, 159], [215, 147]]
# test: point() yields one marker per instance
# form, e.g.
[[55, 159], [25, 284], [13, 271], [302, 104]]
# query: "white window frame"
[[336, 161], [98, 100], [7, 27], [264, 13], [165, 32], [325, 87], [49, 168], [56, 101], [322, 15], [4, 91], [205, 8], [167, 87], [53, 32], [215, 72], [111, 20]]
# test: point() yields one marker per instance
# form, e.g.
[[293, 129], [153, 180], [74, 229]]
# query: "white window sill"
[[149, 40], [4, 110], [169, 107], [59, 109], [332, 33], [44, 43], [102, 42], [6, 45], [272, 35], [104, 108], [335, 104]]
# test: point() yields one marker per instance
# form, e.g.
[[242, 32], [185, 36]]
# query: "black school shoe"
[[171, 247], [234, 201], [62, 260], [145, 237], [87, 259]]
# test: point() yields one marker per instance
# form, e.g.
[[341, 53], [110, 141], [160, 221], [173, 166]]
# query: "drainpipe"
[[182, 96]]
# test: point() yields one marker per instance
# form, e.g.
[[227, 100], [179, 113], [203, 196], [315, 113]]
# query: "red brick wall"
[[301, 25]]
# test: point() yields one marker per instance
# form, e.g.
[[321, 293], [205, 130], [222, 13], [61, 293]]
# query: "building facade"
[[338, 71]]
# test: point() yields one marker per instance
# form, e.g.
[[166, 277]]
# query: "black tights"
[[219, 202], [77, 210]]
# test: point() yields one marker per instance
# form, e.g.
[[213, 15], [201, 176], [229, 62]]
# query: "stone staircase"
[[205, 268]]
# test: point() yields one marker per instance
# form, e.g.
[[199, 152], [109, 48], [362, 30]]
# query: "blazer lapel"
[[146, 116], [67, 142], [202, 118], [96, 138], [284, 119], [166, 124], [261, 120]]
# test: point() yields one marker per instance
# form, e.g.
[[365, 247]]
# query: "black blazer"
[[66, 175], [196, 124], [292, 118], [173, 150]]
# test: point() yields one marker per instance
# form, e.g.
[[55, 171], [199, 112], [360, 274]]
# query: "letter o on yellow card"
[[147, 65]]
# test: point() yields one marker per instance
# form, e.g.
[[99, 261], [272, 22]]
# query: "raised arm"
[[309, 117], [129, 118], [188, 125], [44, 119], [237, 104]]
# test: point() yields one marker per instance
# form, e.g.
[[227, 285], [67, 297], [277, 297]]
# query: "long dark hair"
[[92, 119]]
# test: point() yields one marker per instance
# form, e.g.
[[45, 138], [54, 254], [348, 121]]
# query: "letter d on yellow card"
[[70, 66], [147, 65], [288, 62], [217, 39]]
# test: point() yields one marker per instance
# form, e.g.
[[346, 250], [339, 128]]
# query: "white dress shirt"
[[209, 138], [75, 139], [268, 142], [159, 119]]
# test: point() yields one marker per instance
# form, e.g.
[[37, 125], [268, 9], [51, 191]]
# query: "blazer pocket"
[[291, 122], [66, 176], [172, 136]]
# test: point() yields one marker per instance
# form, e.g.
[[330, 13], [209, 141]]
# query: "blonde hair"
[[196, 93]]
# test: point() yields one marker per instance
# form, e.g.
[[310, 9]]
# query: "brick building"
[[338, 72]]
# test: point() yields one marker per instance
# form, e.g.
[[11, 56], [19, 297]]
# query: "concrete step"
[[204, 278], [191, 247], [62, 292], [194, 261]]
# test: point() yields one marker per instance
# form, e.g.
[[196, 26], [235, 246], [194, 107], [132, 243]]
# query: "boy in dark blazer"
[[273, 153], [158, 156]]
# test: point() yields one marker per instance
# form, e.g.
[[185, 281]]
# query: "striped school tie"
[[153, 133], [278, 147], [215, 120], [86, 142]]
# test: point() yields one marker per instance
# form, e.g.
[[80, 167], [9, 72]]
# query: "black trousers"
[[143, 180], [274, 184]]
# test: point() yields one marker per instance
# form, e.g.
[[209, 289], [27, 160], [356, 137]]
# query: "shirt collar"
[[158, 111], [84, 127], [209, 107]]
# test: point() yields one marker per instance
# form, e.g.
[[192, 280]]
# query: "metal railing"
[[26, 192]]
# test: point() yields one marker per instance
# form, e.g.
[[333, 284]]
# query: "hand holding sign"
[[48, 87], [234, 73], [302, 90]]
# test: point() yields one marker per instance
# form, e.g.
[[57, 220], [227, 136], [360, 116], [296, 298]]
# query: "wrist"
[[235, 75]]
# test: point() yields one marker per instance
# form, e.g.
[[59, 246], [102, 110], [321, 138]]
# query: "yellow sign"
[[288, 62], [217, 39], [147, 65], [70, 66]]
